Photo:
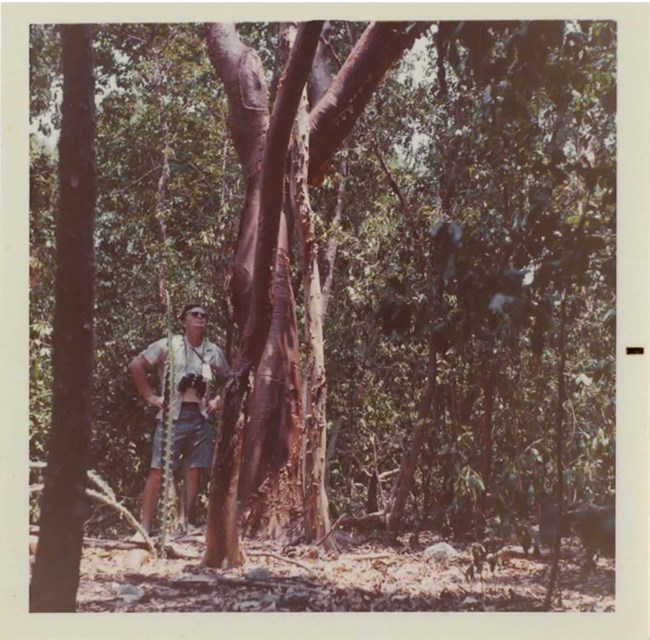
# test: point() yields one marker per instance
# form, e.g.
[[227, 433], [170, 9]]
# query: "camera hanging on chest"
[[192, 386]]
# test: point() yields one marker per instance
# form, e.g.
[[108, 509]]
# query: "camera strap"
[[206, 371], [200, 355]]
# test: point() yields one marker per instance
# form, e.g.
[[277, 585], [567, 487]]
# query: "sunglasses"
[[198, 314]]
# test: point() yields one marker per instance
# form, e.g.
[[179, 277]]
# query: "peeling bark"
[[222, 538], [270, 484], [259, 295], [317, 521]]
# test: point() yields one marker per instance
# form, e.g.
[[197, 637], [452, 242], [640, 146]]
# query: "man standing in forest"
[[198, 365]]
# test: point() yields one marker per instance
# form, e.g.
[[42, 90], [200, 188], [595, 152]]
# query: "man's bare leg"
[[150, 498], [181, 505], [192, 486]]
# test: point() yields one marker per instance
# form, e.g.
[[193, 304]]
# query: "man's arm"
[[138, 368]]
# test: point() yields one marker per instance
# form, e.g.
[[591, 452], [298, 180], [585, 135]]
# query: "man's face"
[[195, 317]]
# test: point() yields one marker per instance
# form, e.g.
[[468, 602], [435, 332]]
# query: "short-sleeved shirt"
[[207, 360]]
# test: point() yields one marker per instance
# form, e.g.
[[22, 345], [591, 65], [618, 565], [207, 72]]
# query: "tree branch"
[[284, 110], [406, 210], [241, 72], [334, 116], [140, 179]]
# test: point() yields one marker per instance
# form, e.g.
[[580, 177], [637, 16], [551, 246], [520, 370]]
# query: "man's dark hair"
[[187, 307]]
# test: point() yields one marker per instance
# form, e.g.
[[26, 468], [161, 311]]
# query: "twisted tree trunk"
[[270, 492], [223, 535]]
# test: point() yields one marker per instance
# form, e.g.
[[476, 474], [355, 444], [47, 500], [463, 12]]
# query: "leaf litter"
[[367, 575]]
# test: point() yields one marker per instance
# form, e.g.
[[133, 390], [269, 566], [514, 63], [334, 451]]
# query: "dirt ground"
[[429, 575]]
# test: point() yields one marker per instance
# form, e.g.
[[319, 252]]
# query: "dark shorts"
[[192, 440]]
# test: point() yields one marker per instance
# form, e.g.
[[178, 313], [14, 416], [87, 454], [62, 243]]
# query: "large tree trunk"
[[64, 507], [270, 493], [223, 535], [272, 414]]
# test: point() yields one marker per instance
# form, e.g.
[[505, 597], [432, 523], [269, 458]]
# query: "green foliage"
[[44, 78], [501, 140], [201, 217], [516, 150]]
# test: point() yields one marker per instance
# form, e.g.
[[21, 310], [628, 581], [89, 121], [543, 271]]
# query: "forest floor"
[[426, 575]]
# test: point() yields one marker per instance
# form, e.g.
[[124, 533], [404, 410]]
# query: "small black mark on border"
[[634, 351]]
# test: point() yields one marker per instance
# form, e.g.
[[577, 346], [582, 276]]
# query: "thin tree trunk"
[[559, 453], [332, 244], [331, 448], [405, 477], [404, 480], [160, 213], [316, 506], [318, 452], [320, 77], [407, 212], [448, 470], [488, 406], [64, 505]]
